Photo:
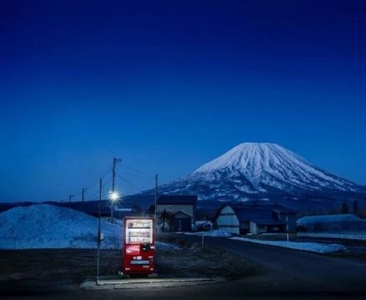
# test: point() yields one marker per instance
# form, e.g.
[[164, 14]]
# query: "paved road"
[[285, 274], [324, 272]]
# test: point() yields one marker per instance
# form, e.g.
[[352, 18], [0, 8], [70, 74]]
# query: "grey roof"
[[182, 213], [282, 209], [177, 199], [246, 213], [249, 214], [267, 222], [327, 219]]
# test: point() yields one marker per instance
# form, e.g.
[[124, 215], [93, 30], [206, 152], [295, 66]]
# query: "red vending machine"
[[138, 246]]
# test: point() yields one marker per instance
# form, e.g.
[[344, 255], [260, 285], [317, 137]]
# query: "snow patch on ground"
[[212, 233], [312, 247], [45, 226], [49, 226], [305, 246]]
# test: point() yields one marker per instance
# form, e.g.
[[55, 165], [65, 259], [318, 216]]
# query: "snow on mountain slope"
[[272, 165], [258, 168]]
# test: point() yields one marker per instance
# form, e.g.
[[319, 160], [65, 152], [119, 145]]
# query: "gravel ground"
[[50, 267]]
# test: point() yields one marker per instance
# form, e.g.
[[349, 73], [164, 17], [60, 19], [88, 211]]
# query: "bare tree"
[[164, 217]]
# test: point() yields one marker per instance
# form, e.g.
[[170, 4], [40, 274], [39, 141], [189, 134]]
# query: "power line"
[[137, 172], [133, 185], [104, 185], [96, 183]]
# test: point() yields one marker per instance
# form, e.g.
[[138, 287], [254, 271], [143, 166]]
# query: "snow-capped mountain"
[[257, 171]]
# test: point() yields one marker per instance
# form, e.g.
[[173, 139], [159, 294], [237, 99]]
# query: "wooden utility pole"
[[115, 161], [82, 198], [287, 228], [99, 238], [156, 198]]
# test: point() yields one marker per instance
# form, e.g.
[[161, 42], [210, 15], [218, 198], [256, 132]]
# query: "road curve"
[[323, 273], [284, 274]]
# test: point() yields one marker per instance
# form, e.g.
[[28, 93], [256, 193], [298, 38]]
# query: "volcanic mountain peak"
[[261, 171], [266, 164], [251, 158]]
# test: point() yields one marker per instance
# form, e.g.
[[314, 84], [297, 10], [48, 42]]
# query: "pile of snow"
[[213, 233], [49, 226], [306, 246], [44, 226], [312, 247]]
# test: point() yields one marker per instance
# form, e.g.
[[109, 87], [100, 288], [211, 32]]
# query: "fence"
[[348, 236], [342, 230]]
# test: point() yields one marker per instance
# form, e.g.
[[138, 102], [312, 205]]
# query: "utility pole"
[[82, 198], [156, 198], [287, 228], [99, 238], [70, 198], [115, 161]]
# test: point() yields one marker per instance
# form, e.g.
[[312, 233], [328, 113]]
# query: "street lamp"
[[113, 196]]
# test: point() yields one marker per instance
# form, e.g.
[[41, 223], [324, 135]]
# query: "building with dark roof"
[[255, 219], [182, 209], [331, 223]]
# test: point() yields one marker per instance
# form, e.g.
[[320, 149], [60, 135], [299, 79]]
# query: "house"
[[182, 209], [255, 219], [331, 223]]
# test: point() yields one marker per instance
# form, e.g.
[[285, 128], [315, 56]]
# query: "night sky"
[[167, 86]]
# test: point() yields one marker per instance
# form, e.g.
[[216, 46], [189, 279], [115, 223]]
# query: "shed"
[[255, 219], [182, 221], [330, 223], [182, 208], [327, 219]]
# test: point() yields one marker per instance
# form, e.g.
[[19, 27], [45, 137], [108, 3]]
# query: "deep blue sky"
[[170, 85]]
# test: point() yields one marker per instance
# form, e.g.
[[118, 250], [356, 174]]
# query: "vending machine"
[[138, 246]]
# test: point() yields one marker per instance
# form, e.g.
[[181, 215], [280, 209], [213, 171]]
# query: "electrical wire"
[[137, 172], [131, 184], [91, 196], [95, 184]]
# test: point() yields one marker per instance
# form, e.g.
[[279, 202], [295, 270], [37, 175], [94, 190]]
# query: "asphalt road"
[[326, 273], [284, 274]]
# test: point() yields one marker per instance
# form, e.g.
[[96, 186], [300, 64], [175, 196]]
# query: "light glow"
[[113, 196]]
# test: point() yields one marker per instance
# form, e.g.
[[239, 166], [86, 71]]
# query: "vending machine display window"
[[138, 248]]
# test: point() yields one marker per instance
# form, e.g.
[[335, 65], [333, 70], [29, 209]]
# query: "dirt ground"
[[72, 266]]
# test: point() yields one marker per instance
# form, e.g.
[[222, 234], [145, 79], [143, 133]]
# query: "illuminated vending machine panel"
[[138, 248]]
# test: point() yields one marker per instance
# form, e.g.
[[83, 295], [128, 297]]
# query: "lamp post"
[[287, 228], [113, 196], [99, 237]]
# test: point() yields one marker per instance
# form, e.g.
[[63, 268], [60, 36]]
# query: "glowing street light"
[[113, 196]]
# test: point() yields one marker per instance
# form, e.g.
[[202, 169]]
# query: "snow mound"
[[212, 233], [48, 226], [312, 247], [304, 246]]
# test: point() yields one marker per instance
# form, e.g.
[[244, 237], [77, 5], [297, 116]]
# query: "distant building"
[[330, 223], [181, 207], [255, 219]]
